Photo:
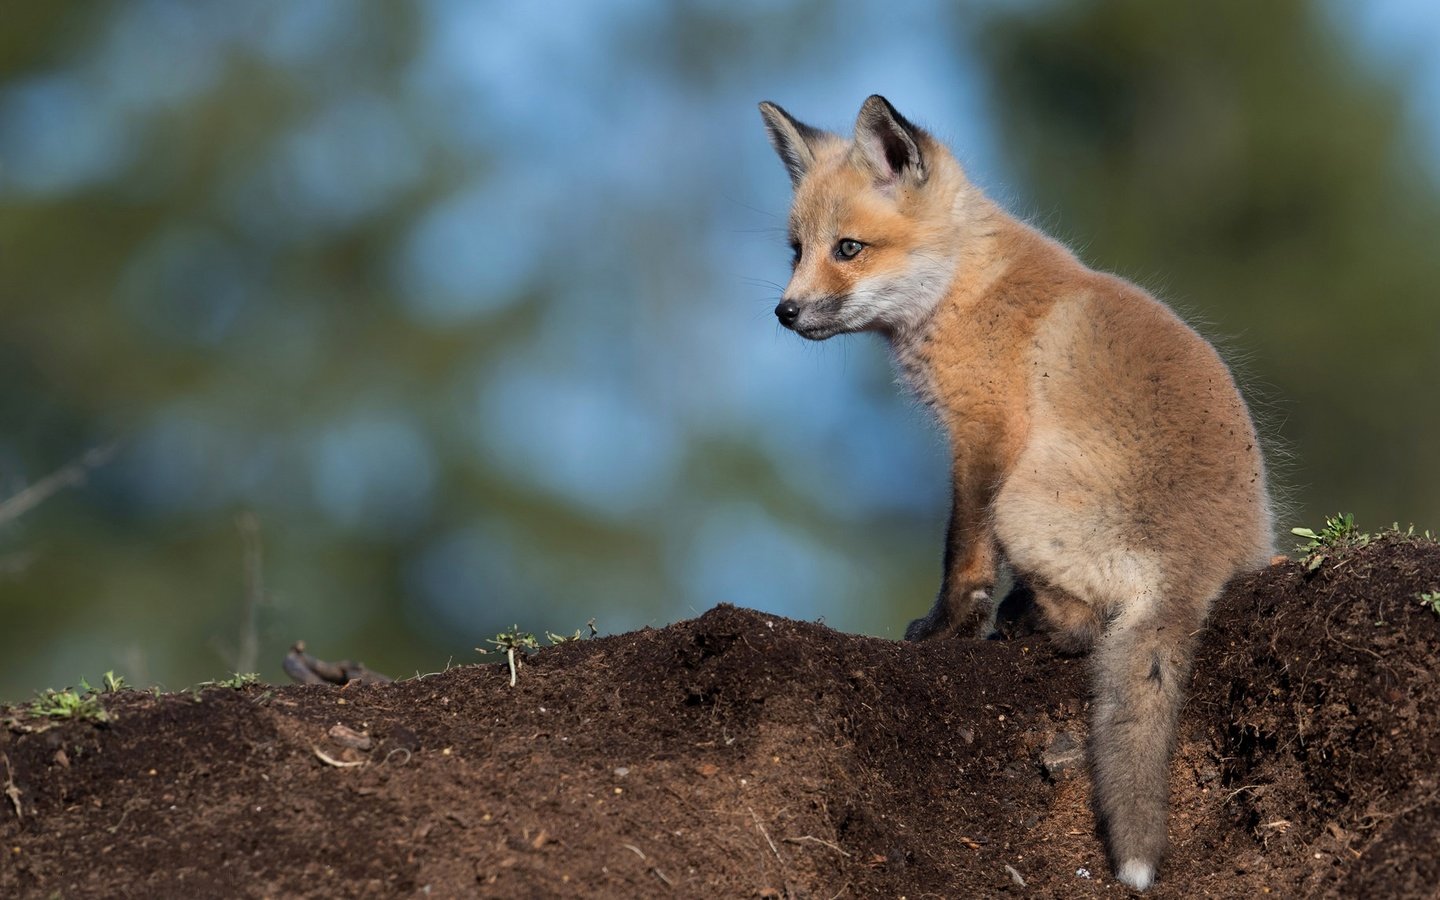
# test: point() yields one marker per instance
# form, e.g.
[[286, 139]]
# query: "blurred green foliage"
[[409, 322], [1242, 161]]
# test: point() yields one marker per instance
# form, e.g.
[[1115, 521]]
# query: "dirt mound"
[[745, 755]]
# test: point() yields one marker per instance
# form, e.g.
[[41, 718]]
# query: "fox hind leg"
[[1072, 624], [1141, 665], [1033, 605]]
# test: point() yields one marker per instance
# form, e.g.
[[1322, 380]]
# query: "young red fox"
[[1101, 449]]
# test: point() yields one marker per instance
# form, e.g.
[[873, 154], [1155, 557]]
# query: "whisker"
[[728, 198]]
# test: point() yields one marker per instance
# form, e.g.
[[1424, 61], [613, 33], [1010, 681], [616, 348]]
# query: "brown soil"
[[744, 755]]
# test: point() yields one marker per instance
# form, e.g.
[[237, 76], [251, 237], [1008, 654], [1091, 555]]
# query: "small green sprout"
[[509, 642], [234, 682], [68, 704], [1339, 531], [1411, 533], [1430, 600]]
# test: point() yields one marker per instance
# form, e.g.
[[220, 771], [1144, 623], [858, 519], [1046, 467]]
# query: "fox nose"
[[787, 312]]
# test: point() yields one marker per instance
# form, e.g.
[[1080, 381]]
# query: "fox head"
[[872, 225]]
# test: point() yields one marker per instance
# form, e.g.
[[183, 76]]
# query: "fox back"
[[1100, 448]]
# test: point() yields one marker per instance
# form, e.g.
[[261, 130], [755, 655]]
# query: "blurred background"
[[389, 326]]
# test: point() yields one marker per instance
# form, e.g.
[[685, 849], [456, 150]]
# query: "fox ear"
[[887, 144], [795, 141]]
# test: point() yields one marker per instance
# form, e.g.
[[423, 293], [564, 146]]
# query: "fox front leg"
[[964, 602]]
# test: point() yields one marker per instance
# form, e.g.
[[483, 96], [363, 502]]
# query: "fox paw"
[[922, 629], [950, 618]]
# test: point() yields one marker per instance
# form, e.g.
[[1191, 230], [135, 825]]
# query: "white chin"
[[818, 333]]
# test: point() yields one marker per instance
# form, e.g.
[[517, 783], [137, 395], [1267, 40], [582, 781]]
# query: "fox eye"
[[848, 248], [794, 254]]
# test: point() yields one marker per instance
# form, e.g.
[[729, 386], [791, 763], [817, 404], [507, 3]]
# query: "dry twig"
[[807, 837], [248, 652], [18, 504], [760, 825], [11, 790], [337, 763]]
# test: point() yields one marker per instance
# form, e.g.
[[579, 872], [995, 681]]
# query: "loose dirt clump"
[[744, 755]]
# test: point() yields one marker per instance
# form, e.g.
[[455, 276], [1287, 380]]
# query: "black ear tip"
[[772, 112], [878, 109]]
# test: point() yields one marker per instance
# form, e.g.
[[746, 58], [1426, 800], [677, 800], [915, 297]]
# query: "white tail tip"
[[1139, 875]]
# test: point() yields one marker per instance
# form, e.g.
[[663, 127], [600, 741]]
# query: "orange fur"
[[1100, 446]]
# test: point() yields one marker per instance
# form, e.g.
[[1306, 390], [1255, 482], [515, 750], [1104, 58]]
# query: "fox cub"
[[1101, 449]]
